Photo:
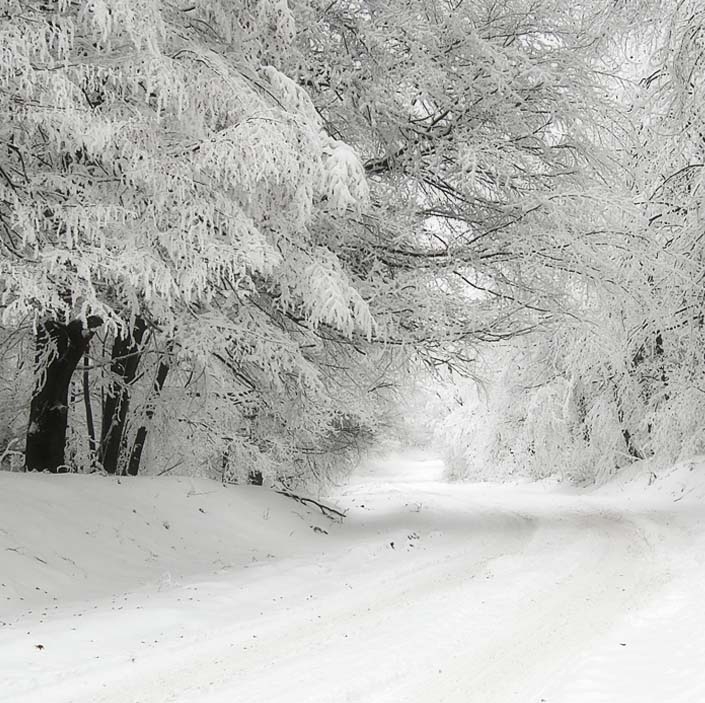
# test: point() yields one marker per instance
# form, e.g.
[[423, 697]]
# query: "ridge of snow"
[[69, 536]]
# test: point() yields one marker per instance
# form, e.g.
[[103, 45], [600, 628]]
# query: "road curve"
[[428, 593]]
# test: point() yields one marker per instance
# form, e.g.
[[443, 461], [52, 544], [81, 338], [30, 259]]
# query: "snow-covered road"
[[429, 592]]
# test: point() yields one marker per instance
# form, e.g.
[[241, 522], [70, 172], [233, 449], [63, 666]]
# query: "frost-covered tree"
[[620, 380], [181, 198], [658, 318], [559, 402], [670, 152], [158, 168], [487, 135]]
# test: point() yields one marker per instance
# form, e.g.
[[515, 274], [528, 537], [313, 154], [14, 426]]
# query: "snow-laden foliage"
[[539, 413], [261, 211], [618, 376], [149, 165], [484, 135], [156, 164]]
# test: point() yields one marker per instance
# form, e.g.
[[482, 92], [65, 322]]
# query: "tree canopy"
[[252, 221]]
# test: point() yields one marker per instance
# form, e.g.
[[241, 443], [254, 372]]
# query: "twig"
[[171, 468], [329, 512]]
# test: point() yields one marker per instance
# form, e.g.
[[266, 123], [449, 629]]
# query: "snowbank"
[[70, 536], [682, 481]]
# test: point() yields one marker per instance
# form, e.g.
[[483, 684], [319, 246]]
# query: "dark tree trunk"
[[125, 356], [627, 435], [631, 449], [141, 436], [59, 348], [90, 425]]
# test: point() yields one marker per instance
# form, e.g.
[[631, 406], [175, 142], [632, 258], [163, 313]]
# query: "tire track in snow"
[[500, 601]]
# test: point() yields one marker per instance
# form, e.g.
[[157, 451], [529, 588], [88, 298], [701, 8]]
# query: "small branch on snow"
[[171, 468], [329, 512]]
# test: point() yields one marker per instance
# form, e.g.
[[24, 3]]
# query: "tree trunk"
[[90, 424], [59, 348], [126, 356], [141, 436]]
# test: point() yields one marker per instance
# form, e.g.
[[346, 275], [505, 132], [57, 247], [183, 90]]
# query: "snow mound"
[[684, 481], [72, 536]]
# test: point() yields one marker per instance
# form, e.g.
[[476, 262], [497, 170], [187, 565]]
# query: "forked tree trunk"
[[126, 355], [133, 466], [59, 348]]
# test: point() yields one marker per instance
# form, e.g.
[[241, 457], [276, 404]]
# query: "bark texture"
[[126, 355], [133, 466], [59, 348]]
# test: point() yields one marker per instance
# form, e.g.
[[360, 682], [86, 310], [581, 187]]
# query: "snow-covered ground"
[[181, 590]]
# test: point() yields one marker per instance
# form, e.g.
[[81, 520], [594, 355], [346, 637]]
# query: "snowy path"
[[428, 593]]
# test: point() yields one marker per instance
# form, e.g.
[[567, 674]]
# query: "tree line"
[[231, 231]]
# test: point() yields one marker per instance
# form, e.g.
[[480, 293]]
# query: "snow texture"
[[156, 590]]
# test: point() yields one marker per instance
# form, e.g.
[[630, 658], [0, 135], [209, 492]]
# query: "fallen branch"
[[329, 512], [171, 468]]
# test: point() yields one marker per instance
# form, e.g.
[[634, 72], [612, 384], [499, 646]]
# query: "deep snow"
[[181, 590]]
